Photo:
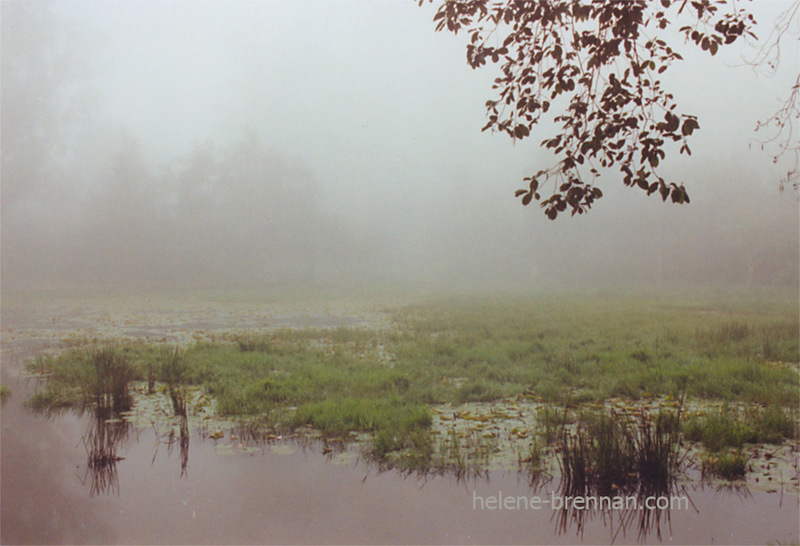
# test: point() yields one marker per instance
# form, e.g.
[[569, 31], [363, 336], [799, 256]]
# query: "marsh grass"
[[730, 464], [252, 342], [609, 454], [725, 432], [600, 347], [338, 417], [109, 385], [96, 377], [559, 350], [732, 427], [551, 423]]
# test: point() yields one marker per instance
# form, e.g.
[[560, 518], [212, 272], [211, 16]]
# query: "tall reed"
[[108, 380]]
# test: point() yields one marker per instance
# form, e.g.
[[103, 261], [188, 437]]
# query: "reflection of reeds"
[[101, 441], [171, 439], [625, 513], [182, 440], [253, 432], [184, 444], [463, 456]]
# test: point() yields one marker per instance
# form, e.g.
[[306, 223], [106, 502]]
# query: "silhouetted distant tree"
[[595, 67]]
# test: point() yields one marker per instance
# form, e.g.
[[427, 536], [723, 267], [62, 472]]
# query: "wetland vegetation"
[[598, 383]]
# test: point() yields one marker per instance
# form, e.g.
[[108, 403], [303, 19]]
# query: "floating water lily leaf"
[[519, 433]]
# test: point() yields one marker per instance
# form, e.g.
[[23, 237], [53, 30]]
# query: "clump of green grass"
[[109, 385], [727, 464], [411, 452], [395, 426], [337, 416], [98, 377], [5, 393], [724, 434], [774, 424], [717, 431], [728, 428]]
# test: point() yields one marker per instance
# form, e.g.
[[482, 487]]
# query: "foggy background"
[[328, 144]]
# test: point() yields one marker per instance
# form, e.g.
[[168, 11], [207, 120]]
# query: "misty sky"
[[214, 143]]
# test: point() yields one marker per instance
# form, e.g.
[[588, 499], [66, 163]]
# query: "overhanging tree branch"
[[594, 69]]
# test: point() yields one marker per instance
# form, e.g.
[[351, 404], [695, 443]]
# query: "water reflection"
[[106, 433], [108, 430], [645, 511], [240, 475], [112, 435], [181, 439]]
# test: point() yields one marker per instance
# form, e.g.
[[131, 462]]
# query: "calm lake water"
[[267, 495]]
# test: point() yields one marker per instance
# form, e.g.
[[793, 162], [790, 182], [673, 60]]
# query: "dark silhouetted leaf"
[[521, 131]]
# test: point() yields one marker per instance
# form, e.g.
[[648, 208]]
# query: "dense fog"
[[328, 144]]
